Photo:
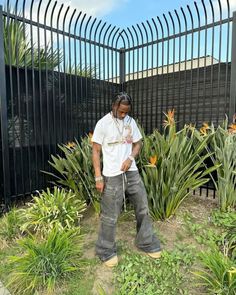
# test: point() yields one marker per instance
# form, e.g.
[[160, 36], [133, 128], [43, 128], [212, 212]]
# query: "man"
[[117, 136]]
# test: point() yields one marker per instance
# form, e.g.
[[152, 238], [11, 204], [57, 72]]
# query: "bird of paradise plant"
[[178, 170]]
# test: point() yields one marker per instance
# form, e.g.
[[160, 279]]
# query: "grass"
[[173, 274]]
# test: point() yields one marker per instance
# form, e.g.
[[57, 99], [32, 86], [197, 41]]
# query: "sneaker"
[[111, 262], [154, 255]]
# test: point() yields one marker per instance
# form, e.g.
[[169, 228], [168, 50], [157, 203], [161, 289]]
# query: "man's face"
[[120, 111]]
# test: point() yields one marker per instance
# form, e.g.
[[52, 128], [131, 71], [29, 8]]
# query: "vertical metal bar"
[[40, 94], [185, 68], [227, 61], [95, 77], [133, 79], [162, 74], [148, 114], [157, 77], [232, 101], [167, 64], [53, 85], [109, 65], [105, 78], [71, 128], [49, 128], [27, 106], [86, 76], [205, 56], [77, 125], [173, 67], [19, 109], [92, 70], [179, 76], [4, 118], [99, 73], [212, 59], [198, 70], [219, 67], [10, 60], [66, 135], [142, 117], [191, 69], [122, 68], [60, 135], [152, 113]]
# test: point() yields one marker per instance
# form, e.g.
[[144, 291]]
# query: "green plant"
[[173, 165], [43, 262], [10, 224], [218, 274], [222, 142], [140, 275], [58, 208], [75, 170], [227, 220], [19, 52]]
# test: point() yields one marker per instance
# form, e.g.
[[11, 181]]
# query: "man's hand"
[[126, 165], [100, 186]]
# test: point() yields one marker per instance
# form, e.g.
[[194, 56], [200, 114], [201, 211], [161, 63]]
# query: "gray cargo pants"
[[111, 205]]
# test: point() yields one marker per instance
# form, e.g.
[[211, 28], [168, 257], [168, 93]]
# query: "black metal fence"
[[59, 70]]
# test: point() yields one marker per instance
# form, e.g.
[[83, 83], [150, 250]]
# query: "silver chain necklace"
[[118, 127]]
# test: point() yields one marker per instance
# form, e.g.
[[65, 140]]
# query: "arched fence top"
[[202, 14]]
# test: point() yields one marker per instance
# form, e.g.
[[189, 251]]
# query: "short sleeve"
[[136, 132], [98, 133]]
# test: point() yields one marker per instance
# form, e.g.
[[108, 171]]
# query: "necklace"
[[118, 127]]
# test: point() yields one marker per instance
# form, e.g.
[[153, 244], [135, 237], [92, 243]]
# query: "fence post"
[[3, 118], [232, 102], [122, 68]]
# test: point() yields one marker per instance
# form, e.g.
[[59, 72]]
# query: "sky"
[[125, 13]]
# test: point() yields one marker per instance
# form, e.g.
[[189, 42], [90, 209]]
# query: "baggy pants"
[[111, 206]]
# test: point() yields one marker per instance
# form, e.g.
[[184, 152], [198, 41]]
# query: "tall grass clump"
[[42, 263], [10, 224], [57, 208], [218, 273]]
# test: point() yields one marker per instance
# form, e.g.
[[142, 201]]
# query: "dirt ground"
[[168, 231]]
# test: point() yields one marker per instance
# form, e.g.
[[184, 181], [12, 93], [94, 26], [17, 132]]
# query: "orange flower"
[[205, 125], [71, 145], [203, 131], [232, 128], [170, 118], [153, 160]]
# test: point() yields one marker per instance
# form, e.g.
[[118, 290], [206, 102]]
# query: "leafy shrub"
[[58, 208], [218, 274], [10, 224], [75, 170], [43, 263]]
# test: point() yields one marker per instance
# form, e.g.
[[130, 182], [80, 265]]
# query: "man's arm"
[[97, 166], [136, 147]]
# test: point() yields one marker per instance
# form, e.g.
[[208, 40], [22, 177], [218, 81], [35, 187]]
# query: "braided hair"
[[122, 98]]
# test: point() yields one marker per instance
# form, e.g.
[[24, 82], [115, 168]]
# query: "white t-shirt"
[[116, 138]]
